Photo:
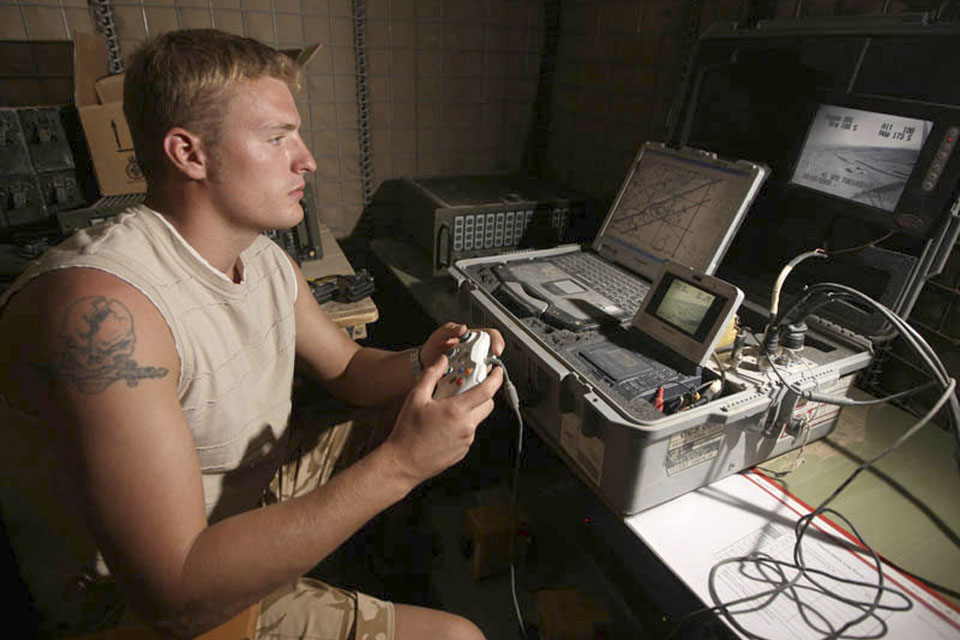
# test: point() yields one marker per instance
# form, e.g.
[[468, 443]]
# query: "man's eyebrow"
[[282, 126]]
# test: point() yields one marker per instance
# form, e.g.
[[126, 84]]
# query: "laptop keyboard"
[[625, 290]]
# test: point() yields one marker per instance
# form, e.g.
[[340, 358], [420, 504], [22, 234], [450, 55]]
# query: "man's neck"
[[203, 228]]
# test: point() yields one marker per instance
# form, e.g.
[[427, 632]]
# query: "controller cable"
[[514, 399]]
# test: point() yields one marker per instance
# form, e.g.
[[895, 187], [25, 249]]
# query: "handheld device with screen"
[[687, 310]]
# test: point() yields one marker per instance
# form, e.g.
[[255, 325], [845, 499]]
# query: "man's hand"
[[448, 335], [431, 435]]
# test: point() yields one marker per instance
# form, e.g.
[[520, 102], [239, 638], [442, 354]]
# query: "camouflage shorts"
[[324, 438], [313, 610], [323, 441]]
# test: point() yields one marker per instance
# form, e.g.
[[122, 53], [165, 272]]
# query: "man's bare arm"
[[363, 376], [109, 370]]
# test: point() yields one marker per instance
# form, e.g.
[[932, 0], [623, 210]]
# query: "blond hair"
[[183, 79]]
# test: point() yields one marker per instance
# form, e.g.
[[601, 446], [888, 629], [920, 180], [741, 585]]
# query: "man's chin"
[[293, 217]]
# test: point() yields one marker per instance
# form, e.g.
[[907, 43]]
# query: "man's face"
[[259, 164]]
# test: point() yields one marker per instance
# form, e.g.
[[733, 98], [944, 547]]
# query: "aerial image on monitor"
[[675, 210], [684, 306], [859, 155]]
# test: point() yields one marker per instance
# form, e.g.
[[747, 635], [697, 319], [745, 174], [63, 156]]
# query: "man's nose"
[[304, 162]]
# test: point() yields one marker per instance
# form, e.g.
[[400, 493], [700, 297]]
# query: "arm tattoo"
[[97, 341]]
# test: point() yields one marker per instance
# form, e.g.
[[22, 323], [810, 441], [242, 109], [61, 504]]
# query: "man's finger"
[[485, 390], [497, 342], [455, 329], [431, 376]]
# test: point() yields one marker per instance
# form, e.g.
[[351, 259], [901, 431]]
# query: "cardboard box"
[[488, 528], [104, 125], [566, 614], [110, 89], [99, 101]]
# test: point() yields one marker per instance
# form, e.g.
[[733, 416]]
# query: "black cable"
[[947, 591], [949, 533], [830, 290], [944, 528]]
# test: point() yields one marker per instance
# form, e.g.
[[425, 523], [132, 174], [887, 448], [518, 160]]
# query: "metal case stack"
[[37, 176], [455, 217]]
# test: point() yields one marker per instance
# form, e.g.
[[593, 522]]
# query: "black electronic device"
[[454, 217], [14, 156], [757, 97], [351, 288], [343, 288], [46, 138], [302, 242], [21, 201], [323, 290], [889, 161]]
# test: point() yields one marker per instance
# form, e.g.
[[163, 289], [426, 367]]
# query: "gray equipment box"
[[630, 452]]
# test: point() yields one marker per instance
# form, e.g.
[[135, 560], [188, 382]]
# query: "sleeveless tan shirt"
[[236, 344]]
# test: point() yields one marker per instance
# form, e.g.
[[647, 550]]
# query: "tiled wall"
[[449, 82], [618, 66]]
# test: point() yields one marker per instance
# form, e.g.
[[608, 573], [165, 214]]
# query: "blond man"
[[147, 401]]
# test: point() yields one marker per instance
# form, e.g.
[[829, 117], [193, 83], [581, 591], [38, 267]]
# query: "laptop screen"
[[682, 205]]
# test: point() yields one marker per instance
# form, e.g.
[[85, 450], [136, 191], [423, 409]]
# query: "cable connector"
[[508, 387]]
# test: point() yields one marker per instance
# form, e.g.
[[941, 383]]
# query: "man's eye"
[[276, 140]]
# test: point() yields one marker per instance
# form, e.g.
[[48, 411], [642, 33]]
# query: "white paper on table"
[[746, 513]]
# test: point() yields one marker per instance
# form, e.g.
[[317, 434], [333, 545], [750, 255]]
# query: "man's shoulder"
[[66, 306], [40, 305]]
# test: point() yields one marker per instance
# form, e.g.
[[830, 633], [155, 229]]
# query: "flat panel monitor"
[[890, 161], [859, 155]]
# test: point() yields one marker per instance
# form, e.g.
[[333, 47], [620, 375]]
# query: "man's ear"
[[186, 153]]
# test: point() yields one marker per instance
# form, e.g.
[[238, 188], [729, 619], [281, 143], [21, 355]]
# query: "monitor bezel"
[[916, 212]]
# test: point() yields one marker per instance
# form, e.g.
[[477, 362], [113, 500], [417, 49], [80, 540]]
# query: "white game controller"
[[467, 365]]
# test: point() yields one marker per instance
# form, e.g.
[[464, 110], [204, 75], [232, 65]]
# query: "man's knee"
[[418, 623], [463, 629]]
